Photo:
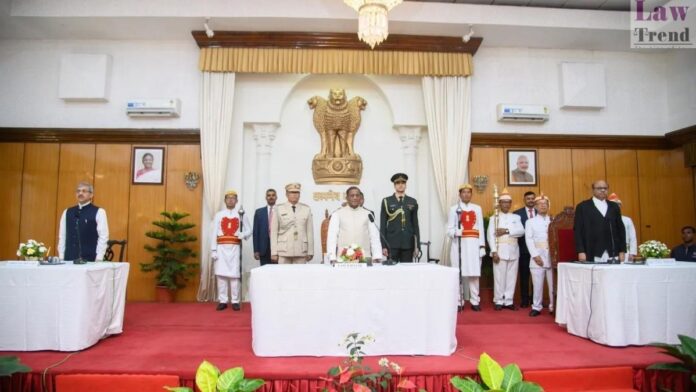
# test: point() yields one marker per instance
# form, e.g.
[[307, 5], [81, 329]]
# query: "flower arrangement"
[[353, 375], [653, 250], [351, 254], [32, 249]]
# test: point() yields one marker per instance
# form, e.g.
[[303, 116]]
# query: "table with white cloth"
[[308, 310], [60, 307], [622, 305]]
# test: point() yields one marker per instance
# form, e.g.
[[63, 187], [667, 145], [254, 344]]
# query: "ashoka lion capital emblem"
[[337, 120]]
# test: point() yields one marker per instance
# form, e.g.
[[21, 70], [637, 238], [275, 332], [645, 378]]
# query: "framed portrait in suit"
[[148, 165], [521, 167]]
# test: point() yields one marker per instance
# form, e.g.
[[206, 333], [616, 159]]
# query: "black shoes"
[[524, 304], [459, 308], [498, 307], [476, 308], [510, 307], [236, 307], [534, 313], [221, 307]]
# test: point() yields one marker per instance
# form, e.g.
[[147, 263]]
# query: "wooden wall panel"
[[622, 176], [112, 188], [490, 162], [588, 167], [146, 203], [39, 191], [666, 195], [556, 177], [180, 160], [76, 164], [10, 198]]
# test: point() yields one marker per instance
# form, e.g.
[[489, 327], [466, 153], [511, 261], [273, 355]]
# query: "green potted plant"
[[495, 378], [209, 379], [684, 352], [171, 254]]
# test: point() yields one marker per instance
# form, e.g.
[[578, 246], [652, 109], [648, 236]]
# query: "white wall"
[[681, 87], [29, 72]]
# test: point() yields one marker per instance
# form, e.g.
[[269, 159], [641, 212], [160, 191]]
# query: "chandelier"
[[373, 25]]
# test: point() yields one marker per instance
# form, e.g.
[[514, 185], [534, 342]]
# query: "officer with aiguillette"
[[399, 223]]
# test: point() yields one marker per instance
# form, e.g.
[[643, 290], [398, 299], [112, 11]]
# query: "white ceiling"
[[524, 24]]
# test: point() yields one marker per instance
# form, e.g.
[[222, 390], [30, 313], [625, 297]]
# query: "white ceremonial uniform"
[[631, 238], [352, 226], [505, 271], [472, 240], [537, 238], [225, 249]]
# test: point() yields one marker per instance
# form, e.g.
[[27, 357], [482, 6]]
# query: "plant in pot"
[[171, 254]]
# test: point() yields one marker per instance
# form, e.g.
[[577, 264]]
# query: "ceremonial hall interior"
[[166, 110]]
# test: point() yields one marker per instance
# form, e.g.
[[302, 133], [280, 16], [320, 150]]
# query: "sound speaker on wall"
[[84, 77], [583, 85]]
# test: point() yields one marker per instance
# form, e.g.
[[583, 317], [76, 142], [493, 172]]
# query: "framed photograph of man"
[[148, 165], [522, 167]]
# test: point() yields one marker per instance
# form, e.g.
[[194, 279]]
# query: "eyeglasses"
[[601, 188]]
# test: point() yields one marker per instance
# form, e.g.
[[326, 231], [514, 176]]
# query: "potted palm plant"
[[171, 254]]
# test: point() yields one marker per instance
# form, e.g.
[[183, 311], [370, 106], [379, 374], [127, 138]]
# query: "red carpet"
[[175, 338]]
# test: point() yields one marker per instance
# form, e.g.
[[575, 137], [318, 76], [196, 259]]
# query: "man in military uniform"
[[292, 230], [399, 222]]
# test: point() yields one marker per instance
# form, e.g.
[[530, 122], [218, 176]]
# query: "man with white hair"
[[537, 237], [503, 231], [631, 237], [84, 230]]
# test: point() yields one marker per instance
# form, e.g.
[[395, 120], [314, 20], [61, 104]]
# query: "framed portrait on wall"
[[522, 167], [148, 165]]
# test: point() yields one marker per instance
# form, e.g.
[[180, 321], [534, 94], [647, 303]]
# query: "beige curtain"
[[448, 114], [217, 98], [334, 61]]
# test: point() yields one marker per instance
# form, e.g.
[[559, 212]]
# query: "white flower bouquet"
[[32, 250], [351, 254], [653, 250]]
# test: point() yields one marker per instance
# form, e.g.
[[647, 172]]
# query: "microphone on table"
[[388, 261]]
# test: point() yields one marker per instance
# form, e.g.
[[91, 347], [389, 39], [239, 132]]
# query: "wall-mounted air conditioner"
[[530, 113], [154, 107]]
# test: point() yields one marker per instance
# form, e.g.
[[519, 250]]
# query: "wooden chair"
[[561, 237], [109, 254], [324, 233]]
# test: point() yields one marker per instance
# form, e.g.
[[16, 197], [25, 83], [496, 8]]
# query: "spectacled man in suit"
[[262, 229], [600, 234]]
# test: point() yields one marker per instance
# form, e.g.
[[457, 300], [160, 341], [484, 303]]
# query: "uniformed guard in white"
[[225, 250], [631, 238], [292, 229], [465, 221], [503, 232], [537, 237]]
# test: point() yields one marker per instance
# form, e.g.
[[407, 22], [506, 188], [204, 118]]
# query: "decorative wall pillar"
[[410, 139], [264, 134]]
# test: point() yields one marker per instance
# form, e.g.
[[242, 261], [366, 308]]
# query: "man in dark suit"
[[262, 220], [526, 212], [399, 223], [599, 230]]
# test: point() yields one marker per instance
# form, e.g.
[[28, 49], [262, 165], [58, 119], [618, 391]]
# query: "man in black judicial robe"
[[599, 231]]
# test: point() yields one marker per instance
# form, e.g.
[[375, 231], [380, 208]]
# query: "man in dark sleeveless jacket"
[[83, 230]]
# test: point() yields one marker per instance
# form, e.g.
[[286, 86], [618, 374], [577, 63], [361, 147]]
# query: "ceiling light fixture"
[[467, 37], [208, 31], [373, 24]]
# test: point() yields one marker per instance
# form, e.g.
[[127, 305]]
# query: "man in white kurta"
[[631, 237], [228, 232], [465, 227], [353, 224], [537, 238], [503, 232]]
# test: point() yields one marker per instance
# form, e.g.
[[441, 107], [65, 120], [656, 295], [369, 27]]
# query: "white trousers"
[[225, 284], [538, 275], [473, 283], [504, 280]]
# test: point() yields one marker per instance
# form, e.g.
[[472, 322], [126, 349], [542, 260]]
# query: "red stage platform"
[[174, 338]]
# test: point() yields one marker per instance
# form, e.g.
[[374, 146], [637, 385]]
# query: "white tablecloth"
[[61, 307], [621, 305], [410, 309]]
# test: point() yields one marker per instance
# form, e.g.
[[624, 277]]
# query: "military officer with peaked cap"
[[399, 222], [292, 229]]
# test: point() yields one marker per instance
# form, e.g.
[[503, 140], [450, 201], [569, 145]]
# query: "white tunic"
[[506, 245], [227, 263], [352, 226], [631, 238], [537, 238], [471, 246]]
